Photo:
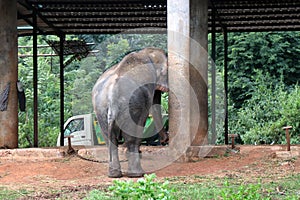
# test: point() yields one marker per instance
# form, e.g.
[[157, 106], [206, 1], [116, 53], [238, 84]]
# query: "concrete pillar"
[[9, 73], [198, 70], [187, 54]]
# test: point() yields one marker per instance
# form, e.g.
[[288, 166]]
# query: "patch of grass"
[[286, 188], [187, 188], [6, 194], [195, 191], [205, 188], [99, 195]]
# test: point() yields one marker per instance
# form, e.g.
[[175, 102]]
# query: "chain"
[[4, 98], [75, 152]]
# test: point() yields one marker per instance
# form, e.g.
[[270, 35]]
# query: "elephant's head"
[[159, 59]]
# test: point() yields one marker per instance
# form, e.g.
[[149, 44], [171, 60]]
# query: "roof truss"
[[139, 16]]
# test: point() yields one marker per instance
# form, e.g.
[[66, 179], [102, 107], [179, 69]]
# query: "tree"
[[272, 54]]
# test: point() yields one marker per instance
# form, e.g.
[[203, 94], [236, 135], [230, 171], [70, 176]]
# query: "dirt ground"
[[71, 174]]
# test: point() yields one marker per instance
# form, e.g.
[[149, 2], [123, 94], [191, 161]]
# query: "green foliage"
[[189, 187], [207, 188], [225, 191], [48, 99], [7, 194], [98, 195], [272, 52], [271, 107], [165, 102], [81, 87], [144, 188], [115, 50], [243, 192], [219, 108]]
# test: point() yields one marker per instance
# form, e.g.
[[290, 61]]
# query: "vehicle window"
[[74, 125]]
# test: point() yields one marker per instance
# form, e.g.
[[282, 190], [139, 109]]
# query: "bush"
[[270, 107], [144, 188]]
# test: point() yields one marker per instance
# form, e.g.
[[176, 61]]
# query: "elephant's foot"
[[114, 170], [136, 174], [134, 166], [135, 171], [114, 173]]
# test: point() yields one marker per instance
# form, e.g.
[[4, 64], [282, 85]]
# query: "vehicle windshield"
[[73, 126]]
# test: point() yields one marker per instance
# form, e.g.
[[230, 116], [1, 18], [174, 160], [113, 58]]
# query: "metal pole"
[[226, 84], [62, 88], [213, 77], [35, 82]]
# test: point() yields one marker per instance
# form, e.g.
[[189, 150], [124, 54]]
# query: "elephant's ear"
[[132, 60], [157, 56], [159, 59]]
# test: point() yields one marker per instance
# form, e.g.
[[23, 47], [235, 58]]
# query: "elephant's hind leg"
[[114, 163], [133, 154]]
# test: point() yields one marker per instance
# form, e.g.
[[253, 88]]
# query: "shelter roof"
[[139, 16], [256, 15]]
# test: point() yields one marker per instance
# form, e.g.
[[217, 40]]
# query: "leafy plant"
[[144, 188]]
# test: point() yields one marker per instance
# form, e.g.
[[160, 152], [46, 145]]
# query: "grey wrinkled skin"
[[122, 97]]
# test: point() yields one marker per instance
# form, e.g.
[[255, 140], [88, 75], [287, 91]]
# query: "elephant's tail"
[[111, 121]]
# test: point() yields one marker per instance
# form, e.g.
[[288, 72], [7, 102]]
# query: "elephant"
[[122, 99]]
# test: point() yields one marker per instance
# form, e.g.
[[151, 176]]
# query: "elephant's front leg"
[[157, 117]]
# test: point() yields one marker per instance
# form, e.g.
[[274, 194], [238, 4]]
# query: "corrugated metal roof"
[[256, 15], [115, 16], [94, 16]]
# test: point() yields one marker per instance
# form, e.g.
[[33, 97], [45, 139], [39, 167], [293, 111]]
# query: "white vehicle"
[[86, 131]]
